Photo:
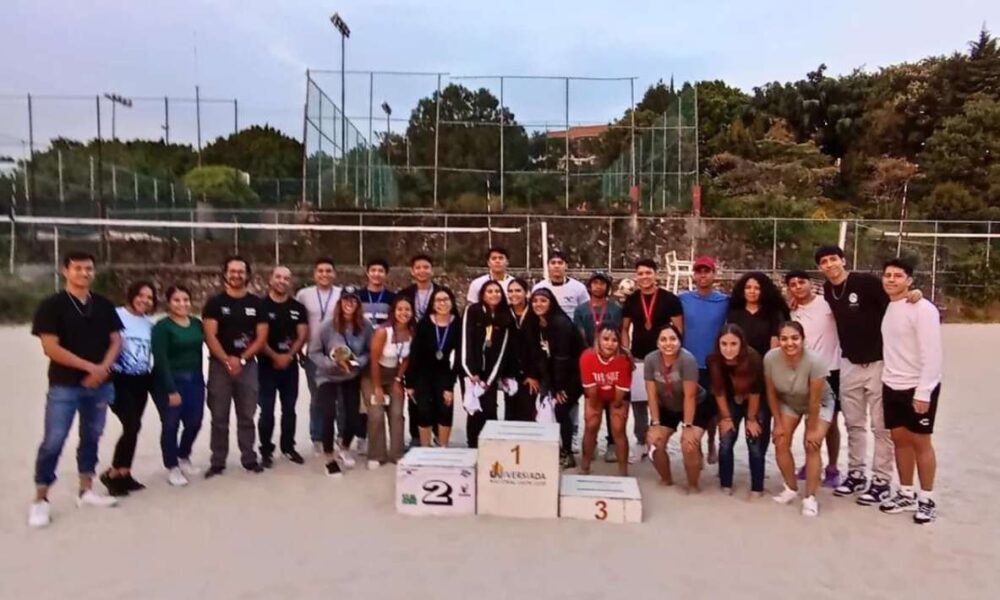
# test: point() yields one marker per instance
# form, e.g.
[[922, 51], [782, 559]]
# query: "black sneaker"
[[926, 511], [899, 503], [294, 456], [333, 469], [266, 461], [253, 467], [566, 460], [132, 485], [878, 492], [213, 471], [852, 484], [116, 485]]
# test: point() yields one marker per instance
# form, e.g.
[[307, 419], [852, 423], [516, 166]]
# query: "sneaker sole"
[[923, 521], [896, 510]]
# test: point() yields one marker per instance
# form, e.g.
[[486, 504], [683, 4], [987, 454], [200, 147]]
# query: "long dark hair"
[[533, 324], [501, 316], [771, 302], [340, 323], [524, 286], [745, 374], [451, 296], [391, 322]]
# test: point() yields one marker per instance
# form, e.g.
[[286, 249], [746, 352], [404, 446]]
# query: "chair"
[[676, 269]]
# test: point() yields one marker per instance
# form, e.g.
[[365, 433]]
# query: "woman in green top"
[[179, 386], [796, 384]]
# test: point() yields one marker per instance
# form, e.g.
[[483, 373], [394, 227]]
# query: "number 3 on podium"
[[602, 510]]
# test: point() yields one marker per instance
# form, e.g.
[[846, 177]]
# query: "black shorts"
[[834, 380], [703, 413], [897, 408]]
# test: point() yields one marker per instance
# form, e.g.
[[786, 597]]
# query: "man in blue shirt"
[[704, 315]]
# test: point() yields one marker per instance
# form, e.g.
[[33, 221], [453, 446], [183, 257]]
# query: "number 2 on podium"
[[516, 450]]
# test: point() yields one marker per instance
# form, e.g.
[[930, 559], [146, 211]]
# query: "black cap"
[[602, 276], [349, 291]]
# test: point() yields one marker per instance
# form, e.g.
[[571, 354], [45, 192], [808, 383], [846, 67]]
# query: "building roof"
[[580, 132]]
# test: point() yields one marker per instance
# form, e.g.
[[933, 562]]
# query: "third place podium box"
[[598, 498], [519, 469], [437, 481]]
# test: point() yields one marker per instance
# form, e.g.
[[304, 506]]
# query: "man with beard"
[[235, 332]]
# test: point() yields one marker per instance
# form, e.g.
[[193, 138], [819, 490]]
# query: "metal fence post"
[[611, 237], [989, 240], [236, 236], [567, 143], [774, 247], [192, 231], [13, 244], [361, 240], [857, 242], [527, 244], [62, 194], [502, 122], [934, 263], [277, 240], [437, 131], [55, 259]]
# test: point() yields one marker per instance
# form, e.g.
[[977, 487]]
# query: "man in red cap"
[[704, 315]]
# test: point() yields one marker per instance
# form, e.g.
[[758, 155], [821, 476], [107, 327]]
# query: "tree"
[[260, 151], [220, 186], [952, 201], [967, 146]]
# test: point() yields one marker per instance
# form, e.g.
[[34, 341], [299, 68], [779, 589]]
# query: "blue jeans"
[[61, 405], [284, 383], [315, 408], [756, 447], [191, 386]]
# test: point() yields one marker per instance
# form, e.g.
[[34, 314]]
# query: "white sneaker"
[[373, 464], [92, 498], [187, 468], [810, 507], [637, 453], [38, 514], [362, 446], [347, 458], [176, 477], [786, 495]]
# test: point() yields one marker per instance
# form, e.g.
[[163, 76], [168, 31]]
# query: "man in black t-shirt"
[[420, 294], [235, 332], [287, 332], [858, 302], [645, 312], [79, 332]]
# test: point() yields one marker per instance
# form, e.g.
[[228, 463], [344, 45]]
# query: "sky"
[[257, 52]]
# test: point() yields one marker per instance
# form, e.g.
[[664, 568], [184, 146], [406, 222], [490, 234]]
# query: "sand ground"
[[293, 533]]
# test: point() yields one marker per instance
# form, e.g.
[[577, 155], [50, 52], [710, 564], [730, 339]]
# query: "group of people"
[[700, 363]]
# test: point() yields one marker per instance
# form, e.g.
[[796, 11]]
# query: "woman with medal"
[[485, 355], [797, 387], [390, 358], [553, 366], [676, 401], [431, 373], [341, 356], [519, 406], [645, 312]]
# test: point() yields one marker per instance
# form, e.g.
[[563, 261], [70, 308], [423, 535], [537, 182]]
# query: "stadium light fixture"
[[117, 99], [388, 131], [345, 32]]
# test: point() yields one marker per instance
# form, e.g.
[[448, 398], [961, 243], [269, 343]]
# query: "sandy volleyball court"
[[293, 533]]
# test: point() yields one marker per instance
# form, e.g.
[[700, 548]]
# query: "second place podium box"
[[519, 469], [437, 481]]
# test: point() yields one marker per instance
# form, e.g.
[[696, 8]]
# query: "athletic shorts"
[[897, 407], [826, 410], [834, 380], [702, 415]]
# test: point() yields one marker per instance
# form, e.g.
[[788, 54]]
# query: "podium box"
[[519, 469], [437, 481], [599, 498]]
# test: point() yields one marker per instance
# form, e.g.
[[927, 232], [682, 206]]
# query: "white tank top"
[[393, 352]]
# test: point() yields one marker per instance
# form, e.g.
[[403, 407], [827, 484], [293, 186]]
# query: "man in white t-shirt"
[[569, 292], [496, 261], [816, 317]]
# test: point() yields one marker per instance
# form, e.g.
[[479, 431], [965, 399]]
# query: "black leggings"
[[131, 392], [428, 408], [564, 416], [327, 396], [520, 406], [475, 423]]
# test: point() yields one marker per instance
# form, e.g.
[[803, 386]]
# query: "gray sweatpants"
[[861, 399], [240, 391]]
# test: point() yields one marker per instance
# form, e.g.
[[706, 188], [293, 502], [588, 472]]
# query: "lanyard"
[[422, 305], [598, 320], [647, 311], [323, 306], [441, 338]]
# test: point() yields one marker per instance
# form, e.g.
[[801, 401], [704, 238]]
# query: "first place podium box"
[[598, 498], [437, 481], [519, 469]]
